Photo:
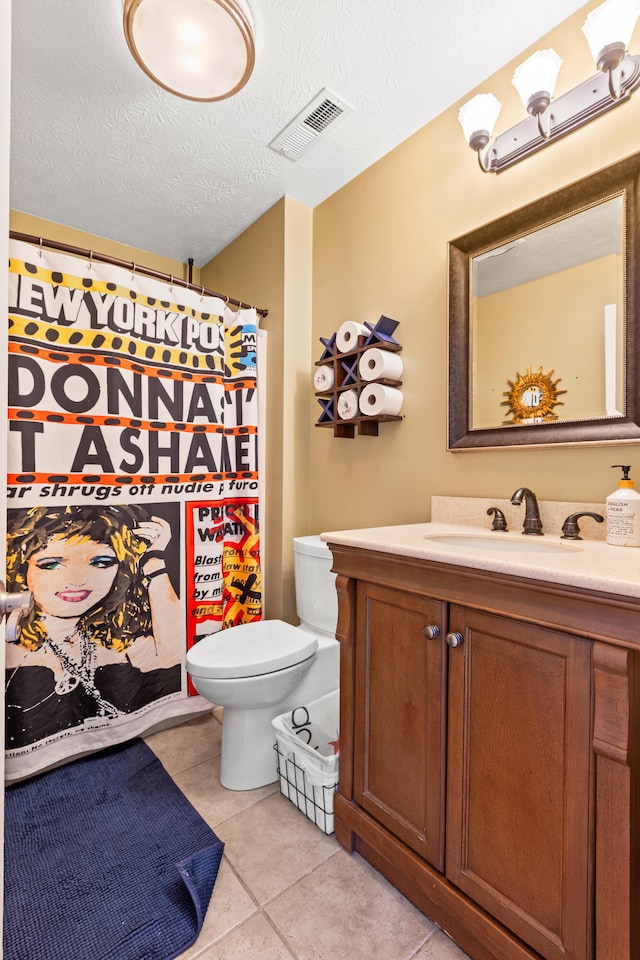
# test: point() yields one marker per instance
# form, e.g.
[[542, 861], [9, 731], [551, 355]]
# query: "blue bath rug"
[[105, 859]]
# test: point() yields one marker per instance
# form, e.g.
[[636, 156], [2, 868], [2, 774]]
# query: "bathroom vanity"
[[490, 734]]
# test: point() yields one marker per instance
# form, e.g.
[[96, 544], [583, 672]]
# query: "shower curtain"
[[133, 498]]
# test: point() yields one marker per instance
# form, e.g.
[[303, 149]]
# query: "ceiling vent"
[[312, 123]]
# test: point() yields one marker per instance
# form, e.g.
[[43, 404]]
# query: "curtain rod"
[[137, 268]]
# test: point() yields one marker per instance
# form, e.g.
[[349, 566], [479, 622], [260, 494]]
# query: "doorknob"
[[14, 606], [454, 639]]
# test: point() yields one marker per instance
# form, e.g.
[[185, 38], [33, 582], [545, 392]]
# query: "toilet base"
[[248, 759]]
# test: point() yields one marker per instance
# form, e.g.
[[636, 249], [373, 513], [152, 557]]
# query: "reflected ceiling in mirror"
[[542, 320]]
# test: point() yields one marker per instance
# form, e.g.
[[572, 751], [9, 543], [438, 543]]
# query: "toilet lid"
[[250, 650]]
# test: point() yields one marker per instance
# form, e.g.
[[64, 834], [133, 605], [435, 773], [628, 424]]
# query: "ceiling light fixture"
[[197, 49], [608, 30]]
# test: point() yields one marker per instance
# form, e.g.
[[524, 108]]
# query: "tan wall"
[[37, 227], [270, 265], [380, 246]]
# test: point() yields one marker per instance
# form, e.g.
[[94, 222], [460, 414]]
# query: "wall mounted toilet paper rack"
[[359, 388]]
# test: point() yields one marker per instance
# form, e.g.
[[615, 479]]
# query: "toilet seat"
[[250, 650]]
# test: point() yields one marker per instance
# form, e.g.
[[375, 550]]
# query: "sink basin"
[[498, 543]]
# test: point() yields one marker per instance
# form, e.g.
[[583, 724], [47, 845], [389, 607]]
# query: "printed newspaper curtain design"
[[132, 498]]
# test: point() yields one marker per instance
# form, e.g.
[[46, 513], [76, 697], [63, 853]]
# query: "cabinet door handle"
[[431, 631], [454, 639]]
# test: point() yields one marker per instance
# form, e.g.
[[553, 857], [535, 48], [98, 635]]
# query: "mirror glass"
[[550, 305], [542, 319]]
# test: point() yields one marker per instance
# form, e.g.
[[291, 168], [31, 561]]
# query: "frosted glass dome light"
[[196, 49]]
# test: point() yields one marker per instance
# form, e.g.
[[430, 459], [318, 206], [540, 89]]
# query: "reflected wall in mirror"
[[569, 277], [551, 287]]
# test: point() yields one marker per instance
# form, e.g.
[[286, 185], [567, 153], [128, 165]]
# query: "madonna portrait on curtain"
[[104, 638]]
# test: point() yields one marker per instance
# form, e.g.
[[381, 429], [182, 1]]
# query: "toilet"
[[258, 671]]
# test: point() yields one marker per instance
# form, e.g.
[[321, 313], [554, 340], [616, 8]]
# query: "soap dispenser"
[[623, 512]]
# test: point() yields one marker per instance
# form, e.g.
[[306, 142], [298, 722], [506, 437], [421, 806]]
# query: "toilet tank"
[[316, 598]]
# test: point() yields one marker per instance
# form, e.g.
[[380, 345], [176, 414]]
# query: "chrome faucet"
[[532, 521]]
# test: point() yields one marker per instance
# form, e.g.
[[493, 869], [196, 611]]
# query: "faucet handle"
[[499, 519], [570, 528]]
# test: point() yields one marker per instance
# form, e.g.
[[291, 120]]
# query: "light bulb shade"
[[610, 23], [196, 49], [537, 75], [479, 115]]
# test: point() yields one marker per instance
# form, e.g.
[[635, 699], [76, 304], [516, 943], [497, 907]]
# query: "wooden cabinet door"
[[519, 797], [399, 736]]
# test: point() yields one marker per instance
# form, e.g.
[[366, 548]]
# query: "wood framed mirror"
[[549, 291]]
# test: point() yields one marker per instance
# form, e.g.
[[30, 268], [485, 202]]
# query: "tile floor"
[[285, 890]]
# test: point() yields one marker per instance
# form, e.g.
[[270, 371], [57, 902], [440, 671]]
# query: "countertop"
[[588, 564]]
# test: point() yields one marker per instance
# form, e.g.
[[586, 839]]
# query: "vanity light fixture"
[[608, 30], [535, 81], [197, 49]]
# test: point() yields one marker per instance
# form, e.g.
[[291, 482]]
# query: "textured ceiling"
[[97, 146]]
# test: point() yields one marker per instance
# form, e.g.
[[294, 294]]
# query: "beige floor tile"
[[319, 903], [272, 844], [441, 947], [188, 744], [229, 907], [201, 785], [254, 940], [346, 909]]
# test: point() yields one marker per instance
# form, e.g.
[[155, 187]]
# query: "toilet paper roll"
[[348, 404], [377, 364], [376, 400], [323, 378], [347, 335]]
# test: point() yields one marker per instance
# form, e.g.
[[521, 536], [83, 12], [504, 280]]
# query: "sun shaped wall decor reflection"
[[532, 397]]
